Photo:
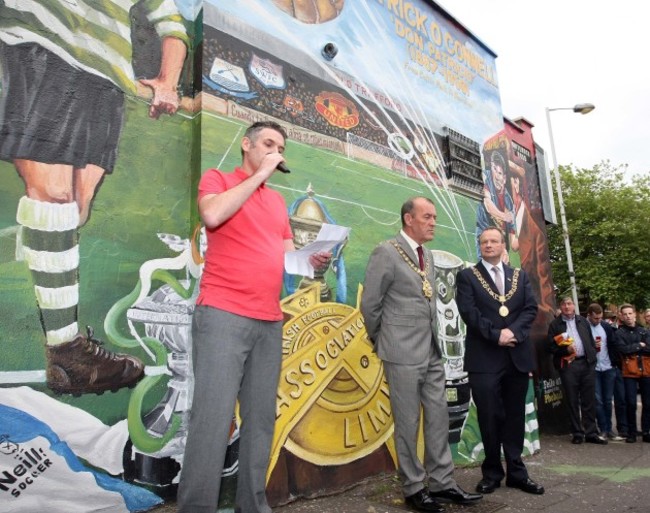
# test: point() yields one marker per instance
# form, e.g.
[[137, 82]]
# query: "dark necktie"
[[421, 258]]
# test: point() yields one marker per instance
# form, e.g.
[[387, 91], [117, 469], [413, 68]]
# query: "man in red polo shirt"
[[237, 325]]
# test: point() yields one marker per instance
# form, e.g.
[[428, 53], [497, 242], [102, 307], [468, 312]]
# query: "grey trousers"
[[233, 357], [415, 388]]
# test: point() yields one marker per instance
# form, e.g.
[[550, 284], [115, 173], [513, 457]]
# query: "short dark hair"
[[257, 127], [253, 131], [566, 299], [626, 305], [409, 205], [594, 308]]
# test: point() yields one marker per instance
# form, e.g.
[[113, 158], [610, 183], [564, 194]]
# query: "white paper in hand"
[[297, 262]]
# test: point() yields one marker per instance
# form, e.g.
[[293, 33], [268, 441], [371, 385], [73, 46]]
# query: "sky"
[[558, 53]]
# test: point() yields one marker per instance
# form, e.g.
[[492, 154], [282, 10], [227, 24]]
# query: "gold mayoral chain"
[[427, 289], [503, 309]]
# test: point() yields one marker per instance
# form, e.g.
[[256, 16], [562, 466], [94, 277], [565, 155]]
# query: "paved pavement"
[[578, 479], [583, 478]]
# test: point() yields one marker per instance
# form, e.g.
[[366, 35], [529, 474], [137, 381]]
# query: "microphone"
[[281, 167]]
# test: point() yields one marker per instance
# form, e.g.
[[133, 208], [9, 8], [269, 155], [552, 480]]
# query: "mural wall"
[[96, 180], [102, 143]]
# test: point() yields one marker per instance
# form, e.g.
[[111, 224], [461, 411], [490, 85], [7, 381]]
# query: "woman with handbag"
[[633, 343]]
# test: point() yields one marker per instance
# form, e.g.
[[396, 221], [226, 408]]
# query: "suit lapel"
[[488, 277], [407, 249], [507, 272]]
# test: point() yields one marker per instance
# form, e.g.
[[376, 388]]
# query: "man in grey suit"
[[399, 309]]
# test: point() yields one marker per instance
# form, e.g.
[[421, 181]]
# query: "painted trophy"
[[154, 455], [306, 216], [451, 336]]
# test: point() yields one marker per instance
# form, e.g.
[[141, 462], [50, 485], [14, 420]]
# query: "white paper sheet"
[[297, 262]]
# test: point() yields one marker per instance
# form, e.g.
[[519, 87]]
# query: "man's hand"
[[507, 338], [321, 260], [268, 165]]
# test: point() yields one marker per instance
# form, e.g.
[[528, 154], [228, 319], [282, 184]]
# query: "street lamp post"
[[582, 108]]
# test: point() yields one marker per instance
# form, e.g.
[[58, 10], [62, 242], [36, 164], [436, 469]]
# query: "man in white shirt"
[[606, 368], [578, 372]]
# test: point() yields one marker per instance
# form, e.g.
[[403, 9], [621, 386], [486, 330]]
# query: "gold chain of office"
[[427, 289], [503, 309]]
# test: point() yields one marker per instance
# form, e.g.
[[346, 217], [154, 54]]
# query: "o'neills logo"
[[333, 404], [24, 466], [337, 110]]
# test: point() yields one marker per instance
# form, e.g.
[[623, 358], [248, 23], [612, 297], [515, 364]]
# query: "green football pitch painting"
[[153, 190]]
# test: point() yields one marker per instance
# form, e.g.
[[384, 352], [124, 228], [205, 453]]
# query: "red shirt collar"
[[240, 173]]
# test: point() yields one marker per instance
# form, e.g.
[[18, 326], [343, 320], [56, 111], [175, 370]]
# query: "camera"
[[329, 51]]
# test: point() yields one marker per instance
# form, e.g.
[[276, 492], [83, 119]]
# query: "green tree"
[[608, 218]]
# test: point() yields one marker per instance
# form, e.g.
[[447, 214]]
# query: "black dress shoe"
[[422, 501], [457, 495], [487, 486], [630, 439], [528, 486], [595, 439], [577, 439]]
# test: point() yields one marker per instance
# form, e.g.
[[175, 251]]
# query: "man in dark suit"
[[576, 363], [399, 309], [497, 304]]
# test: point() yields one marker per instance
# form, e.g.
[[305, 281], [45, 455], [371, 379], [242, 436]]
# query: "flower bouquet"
[[563, 339]]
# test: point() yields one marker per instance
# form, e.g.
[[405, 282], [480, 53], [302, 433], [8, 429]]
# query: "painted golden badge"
[[333, 404]]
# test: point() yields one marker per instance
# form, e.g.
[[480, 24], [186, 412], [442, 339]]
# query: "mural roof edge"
[[464, 28]]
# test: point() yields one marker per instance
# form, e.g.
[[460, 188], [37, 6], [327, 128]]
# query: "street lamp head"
[[584, 108]]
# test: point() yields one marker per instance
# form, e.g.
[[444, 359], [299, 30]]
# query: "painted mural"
[[102, 143], [381, 100], [96, 162]]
